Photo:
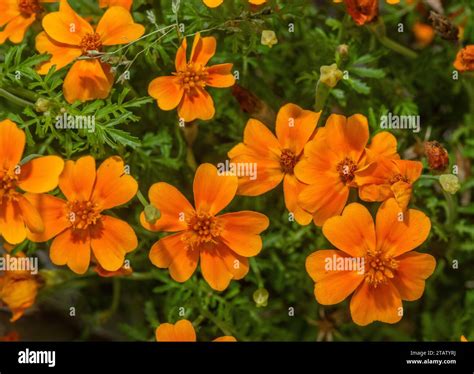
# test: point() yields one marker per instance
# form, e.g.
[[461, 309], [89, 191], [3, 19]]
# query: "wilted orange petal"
[[167, 91], [395, 236], [213, 192], [413, 268], [12, 144], [71, 249], [87, 80], [352, 232], [113, 187], [62, 54], [241, 231], [117, 27], [77, 179], [196, 105], [220, 76], [369, 304], [40, 174]]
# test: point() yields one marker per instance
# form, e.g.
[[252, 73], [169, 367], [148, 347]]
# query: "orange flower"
[[216, 3], [78, 224], [275, 157], [378, 264], [389, 178], [17, 16], [185, 89], [38, 175], [424, 34], [223, 242], [329, 165], [68, 36], [127, 4], [18, 290], [465, 59], [182, 331]]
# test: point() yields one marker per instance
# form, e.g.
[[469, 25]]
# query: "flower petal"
[[167, 91], [78, 178], [62, 54], [41, 174], [182, 331], [113, 187], [383, 144], [12, 144], [12, 226], [213, 192], [214, 270], [117, 27], [236, 264], [203, 49], [220, 76], [292, 187], [241, 231], [197, 104], [30, 215], [15, 29], [73, 249]]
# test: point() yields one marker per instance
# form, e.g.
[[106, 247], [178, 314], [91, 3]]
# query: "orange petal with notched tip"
[[241, 231], [117, 27], [395, 236], [214, 269], [12, 144], [220, 76], [413, 268], [291, 189], [352, 232], [294, 127], [62, 54], [173, 206], [66, 26], [213, 192], [111, 239], [381, 303], [332, 285], [71, 249], [182, 331], [197, 104], [113, 187], [54, 214], [78, 178], [41, 174], [87, 80], [168, 91], [203, 49]]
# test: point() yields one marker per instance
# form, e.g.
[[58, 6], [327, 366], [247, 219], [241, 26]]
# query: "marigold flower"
[[127, 4], [216, 3], [67, 36], [18, 290], [276, 156], [16, 16], [182, 331], [329, 165], [389, 178], [222, 242], [38, 175], [465, 59], [391, 271], [78, 225], [185, 89]]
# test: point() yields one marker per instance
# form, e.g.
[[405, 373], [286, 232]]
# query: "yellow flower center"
[[204, 228], [91, 42], [399, 178], [379, 267], [287, 161], [193, 77], [346, 169], [29, 7], [83, 214], [8, 185]]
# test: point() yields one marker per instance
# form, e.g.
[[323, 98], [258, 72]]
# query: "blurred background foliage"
[[129, 124]]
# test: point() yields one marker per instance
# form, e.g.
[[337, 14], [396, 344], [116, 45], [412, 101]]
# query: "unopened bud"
[[450, 183], [269, 38], [260, 297], [330, 75], [152, 214], [42, 105]]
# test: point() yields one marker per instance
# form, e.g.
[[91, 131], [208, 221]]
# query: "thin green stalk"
[[14, 99]]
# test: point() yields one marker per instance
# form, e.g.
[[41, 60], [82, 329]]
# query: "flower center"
[[83, 214], [399, 178], [193, 77], [204, 227], [379, 268], [287, 161], [8, 185], [346, 169], [29, 7], [91, 42]]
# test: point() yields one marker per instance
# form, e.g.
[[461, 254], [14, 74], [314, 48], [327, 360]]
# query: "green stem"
[[258, 275], [394, 46], [451, 211], [142, 199], [15, 99]]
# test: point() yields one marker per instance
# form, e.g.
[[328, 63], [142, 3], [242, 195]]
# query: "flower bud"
[[42, 105], [437, 156], [152, 214], [269, 38], [343, 50], [260, 297], [330, 75], [450, 183]]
